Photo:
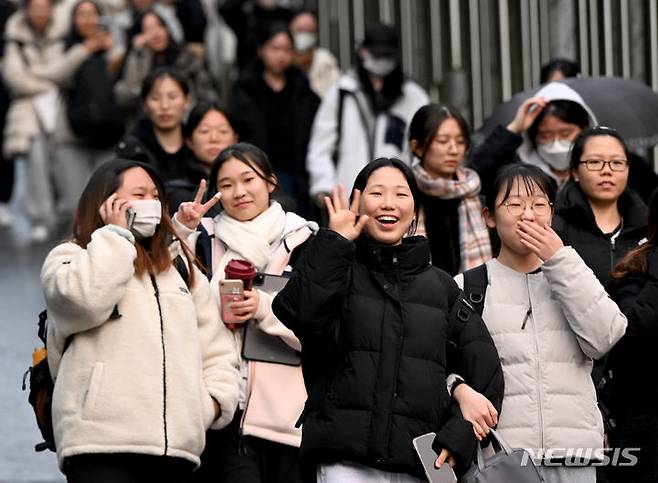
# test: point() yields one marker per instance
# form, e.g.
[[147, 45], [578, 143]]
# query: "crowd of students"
[[131, 137]]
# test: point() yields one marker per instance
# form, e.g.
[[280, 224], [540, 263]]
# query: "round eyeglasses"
[[599, 164], [516, 206]]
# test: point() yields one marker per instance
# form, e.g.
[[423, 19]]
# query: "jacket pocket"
[[93, 389]]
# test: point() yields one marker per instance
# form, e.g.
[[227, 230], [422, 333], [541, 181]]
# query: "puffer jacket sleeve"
[[20, 80], [82, 286], [593, 316], [473, 355], [311, 301], [319, 162], [220, 359], [62, 67]]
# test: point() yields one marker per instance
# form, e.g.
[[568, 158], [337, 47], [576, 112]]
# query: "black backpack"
[[475, 286], [41, 381]]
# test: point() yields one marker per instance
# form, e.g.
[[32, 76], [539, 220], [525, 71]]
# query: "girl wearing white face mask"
[[142, 364]]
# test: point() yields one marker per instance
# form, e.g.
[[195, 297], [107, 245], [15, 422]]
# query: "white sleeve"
[[593, 316], [319, 162]]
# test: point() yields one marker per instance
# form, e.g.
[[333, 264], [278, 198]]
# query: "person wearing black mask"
[[364, 115]]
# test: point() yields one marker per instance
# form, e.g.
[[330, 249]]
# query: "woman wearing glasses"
[[596, 214], [549, 317]]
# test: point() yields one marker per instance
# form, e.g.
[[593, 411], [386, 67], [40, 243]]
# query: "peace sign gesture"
[[190, 212], [342, 216]]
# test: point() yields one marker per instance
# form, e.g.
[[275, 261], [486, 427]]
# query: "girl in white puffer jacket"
[[549, 317]]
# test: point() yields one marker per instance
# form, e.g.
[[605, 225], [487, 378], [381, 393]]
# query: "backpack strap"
[[203, 249], [182, 269], [339, 125], [475, 286]]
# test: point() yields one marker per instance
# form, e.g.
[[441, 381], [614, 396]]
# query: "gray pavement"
[[20, 303]]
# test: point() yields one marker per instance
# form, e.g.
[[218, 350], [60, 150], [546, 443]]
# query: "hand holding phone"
[[423, 446]]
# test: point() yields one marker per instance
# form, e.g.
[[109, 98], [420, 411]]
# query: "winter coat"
[[548, 326], [138, 64], [375, 324], [574, 222], [274, 393], [147, 357], [362, 137], [633, 388], [141, 144], [32, 67], [250, 102]]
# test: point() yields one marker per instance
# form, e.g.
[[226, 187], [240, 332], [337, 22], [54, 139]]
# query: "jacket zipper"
[[537, 363], [397, 364], [164, 366]]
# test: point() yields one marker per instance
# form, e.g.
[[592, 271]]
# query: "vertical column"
[[534, 38], [625, 40], [407, 38], [358, 12], [594, 36], [583, 35], [476, 63], [526, 53], [344, 40], [385, 12], [505, 57], [608, 40]]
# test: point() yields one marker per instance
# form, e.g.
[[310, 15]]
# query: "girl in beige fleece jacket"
[[143, 364]]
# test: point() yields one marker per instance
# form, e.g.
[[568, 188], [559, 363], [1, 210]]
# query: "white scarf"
[[252, 239]]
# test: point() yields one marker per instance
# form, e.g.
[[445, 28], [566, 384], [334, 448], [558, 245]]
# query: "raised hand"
[[190, 212], [343, 218], [113, 211], [526, 114], [541, 239]]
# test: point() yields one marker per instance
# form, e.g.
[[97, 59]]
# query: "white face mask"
[[304, 41], [147, 217], [379, 66], [556, 154]]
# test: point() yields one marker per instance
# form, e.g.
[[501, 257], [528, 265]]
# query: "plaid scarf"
[[474, 244]]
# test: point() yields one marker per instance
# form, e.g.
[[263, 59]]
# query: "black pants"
[[6, 179], [228, 458], [126, 468]]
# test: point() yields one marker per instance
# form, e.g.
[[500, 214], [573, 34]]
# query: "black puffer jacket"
[[375, 324], [574, 222]]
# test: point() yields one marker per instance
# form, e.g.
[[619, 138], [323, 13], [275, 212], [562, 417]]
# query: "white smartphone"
[[423, 446]]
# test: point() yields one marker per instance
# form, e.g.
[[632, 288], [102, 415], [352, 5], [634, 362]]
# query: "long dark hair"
[[153, 254], [173, 50], [74, 36], [428, 119], [635, 261], [528, 175], [362, 180]]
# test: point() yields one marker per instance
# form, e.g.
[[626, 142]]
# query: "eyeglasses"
[[516, 206], [599, 164]]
